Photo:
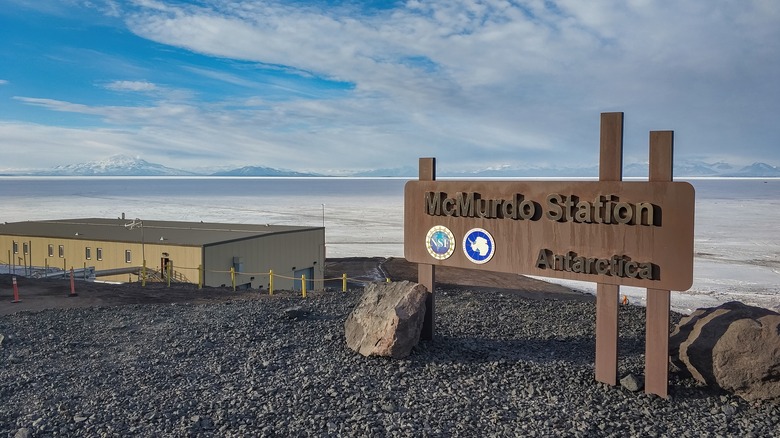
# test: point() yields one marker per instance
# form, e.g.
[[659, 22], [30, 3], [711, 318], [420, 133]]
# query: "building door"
[[165, 262], [309, 273]]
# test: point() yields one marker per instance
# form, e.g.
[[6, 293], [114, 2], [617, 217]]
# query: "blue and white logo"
[[440, 242], [479, 246]]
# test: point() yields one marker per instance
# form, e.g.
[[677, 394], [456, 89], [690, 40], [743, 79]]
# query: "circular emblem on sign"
[[478, 245], [440, 242]]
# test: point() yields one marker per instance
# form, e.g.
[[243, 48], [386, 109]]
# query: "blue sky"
[[328, 86]]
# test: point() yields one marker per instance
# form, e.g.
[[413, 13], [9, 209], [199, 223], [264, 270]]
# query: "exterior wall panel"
[[283, 253]]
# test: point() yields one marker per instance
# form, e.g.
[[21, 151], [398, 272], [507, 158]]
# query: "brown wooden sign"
[[613, 232], [608, 231]]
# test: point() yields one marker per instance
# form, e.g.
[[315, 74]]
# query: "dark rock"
[[387, 320], [632, 383], [733, 346], [295, 313], [388, 407]]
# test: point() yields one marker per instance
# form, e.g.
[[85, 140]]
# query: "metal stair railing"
[[156, 276]]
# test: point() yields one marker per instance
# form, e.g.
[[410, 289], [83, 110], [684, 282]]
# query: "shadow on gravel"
[[480, 350], [551, 352]]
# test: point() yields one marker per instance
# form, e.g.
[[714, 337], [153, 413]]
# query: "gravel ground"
[[501, 365]]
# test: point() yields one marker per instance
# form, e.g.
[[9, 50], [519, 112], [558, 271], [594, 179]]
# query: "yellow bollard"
[[143, 274], [271, 282], [233, 277], [387, 279], [200, 276], [303, 285], [343, 282]]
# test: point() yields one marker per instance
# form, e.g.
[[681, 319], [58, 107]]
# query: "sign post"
[[426, 273], [657, 311], [611, 232], [610, 169]]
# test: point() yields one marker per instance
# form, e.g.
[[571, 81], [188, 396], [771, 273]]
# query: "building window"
[[16, 248], [61, 251], [51, 250], [88, 253], [25, 248], [128, 257], [100, 254]]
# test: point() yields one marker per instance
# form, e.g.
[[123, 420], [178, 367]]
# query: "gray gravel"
[[500, 366]]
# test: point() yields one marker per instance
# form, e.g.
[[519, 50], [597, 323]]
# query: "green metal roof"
[[169, 232]]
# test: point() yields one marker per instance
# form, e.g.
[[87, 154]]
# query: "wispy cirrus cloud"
[[131, 86], [514, 71]]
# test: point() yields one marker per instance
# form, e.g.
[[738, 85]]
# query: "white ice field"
[[737, 234]]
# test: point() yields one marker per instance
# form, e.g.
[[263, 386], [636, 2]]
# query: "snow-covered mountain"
[[261, 171], [116, 165], [756, 169], [406, 171]]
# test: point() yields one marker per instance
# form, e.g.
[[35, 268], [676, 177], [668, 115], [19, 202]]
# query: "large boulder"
[[733, 346], [388, 319]]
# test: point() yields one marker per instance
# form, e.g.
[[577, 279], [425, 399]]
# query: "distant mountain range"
[[123, 165], [117, 165], [638, 170], [261, 171]]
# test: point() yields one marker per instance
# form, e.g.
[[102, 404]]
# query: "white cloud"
[[131, 86], [111, 8], [3, 82], [477, 82], [41, 146]]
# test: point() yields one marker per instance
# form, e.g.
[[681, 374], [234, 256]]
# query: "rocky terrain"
[[505, 362]]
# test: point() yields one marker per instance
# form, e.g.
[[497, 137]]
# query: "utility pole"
[[139, 223]]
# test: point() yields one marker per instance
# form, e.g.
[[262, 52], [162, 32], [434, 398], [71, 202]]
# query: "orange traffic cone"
[[16, 292], [72, 285]]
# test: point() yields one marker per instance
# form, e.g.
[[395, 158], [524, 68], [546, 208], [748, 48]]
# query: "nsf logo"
[[478, 245], [440, 242]]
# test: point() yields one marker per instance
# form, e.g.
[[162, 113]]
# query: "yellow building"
[[117, 248]]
